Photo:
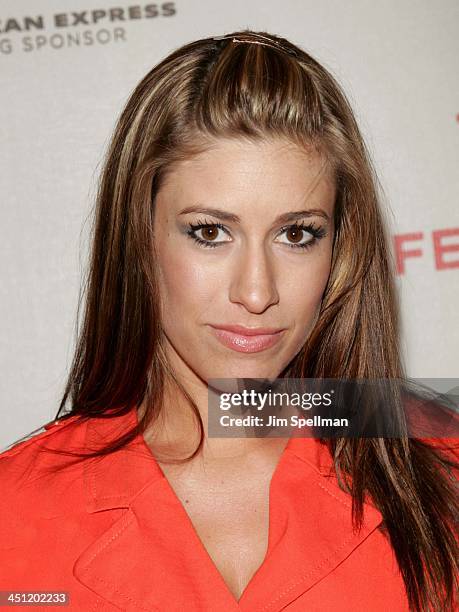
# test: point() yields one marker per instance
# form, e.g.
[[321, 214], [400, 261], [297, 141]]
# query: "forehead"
[[239, 174]]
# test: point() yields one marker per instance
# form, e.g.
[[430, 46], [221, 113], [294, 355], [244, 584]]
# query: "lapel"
[[151, 558]]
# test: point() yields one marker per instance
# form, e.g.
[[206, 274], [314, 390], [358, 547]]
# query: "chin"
[[243, 371], [227, 381]]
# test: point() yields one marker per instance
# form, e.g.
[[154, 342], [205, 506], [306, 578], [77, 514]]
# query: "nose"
[[253, 281]]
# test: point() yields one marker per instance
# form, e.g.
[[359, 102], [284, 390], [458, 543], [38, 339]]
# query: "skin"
[[253, 277]]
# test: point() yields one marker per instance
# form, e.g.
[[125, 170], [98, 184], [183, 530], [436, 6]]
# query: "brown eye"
[[300, 236], [294, 234], [209, 233]]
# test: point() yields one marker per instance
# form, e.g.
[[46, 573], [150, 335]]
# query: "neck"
[[176, 431]]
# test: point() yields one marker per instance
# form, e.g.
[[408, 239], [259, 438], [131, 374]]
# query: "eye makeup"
[[317, 233]]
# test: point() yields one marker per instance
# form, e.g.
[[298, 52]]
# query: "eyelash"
[[317, 233]]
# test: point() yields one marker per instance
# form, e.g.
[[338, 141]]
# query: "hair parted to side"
[[224, 87]]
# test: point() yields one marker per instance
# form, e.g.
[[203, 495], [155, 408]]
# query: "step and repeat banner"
[[67, 69]]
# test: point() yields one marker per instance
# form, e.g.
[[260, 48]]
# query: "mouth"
[[247, 339]]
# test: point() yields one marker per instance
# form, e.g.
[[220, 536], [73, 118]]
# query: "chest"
[[230, 514]]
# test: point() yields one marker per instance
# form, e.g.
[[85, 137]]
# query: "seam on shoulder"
[[37, 435]]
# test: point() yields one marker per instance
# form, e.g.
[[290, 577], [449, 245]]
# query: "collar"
[[113, 481]]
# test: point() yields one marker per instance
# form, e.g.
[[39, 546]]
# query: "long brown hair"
[[222, 87]]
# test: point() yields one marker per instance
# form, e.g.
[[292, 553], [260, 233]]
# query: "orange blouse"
[[113, 534]]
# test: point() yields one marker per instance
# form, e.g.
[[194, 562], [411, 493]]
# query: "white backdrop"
[[397, 62]]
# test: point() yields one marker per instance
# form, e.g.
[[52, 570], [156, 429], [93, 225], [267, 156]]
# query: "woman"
[[238, 233]]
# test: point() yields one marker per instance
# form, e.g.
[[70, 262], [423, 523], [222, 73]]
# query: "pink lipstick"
[[246, 339]]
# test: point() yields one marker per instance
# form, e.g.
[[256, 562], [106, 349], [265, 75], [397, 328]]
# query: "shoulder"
[[40, 487], [447, 445], [447, 454], [21, 463], [52, 429]]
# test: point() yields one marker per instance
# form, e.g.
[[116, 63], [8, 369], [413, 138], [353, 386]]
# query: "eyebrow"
[[227, 216]]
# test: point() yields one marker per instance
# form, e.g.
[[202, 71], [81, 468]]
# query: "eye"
[[210, 233], [301, 235]]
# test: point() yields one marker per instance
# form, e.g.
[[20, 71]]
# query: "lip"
[[247, 339]]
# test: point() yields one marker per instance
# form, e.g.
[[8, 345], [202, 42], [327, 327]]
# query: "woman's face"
[[230, 254]]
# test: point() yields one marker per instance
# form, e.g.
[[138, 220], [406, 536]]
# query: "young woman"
[[238, 234]]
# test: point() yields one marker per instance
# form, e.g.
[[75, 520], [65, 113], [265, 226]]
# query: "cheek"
[[304, 289], [187, 289]]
